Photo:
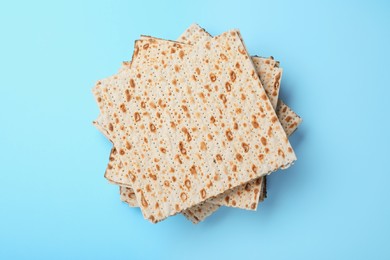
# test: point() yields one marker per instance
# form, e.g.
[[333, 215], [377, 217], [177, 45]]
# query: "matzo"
[[281, 153]]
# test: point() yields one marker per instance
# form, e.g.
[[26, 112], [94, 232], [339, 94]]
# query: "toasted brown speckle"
[[245, 146], [263, 140], [203, 193], [213, 77], [229, 135], [132, 83], [137, 117], [232, 75], [183, 196]]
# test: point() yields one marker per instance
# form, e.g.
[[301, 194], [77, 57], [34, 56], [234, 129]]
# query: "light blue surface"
[[332, 204]]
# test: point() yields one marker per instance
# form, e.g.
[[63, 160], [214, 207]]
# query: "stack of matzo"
[[195, 123]]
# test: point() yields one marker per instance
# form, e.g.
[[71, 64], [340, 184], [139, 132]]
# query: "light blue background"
[[332, 204]]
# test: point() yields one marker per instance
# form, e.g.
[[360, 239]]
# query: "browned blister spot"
[[203, 193], [263, 140], [109, 166], [255, 124], [153, 176], [173, 50], [182, 149], [208, 88], [288, 119], [241, 50], [253, 206], [137, 117], [110, 127], [193, 170], [183, 196], [181, 54], [229, 135], [212, 119], [290, 150], [146, 46], [264, 97], [99, 99], [227, 198], [239, 157], [238, 110], [187, 183], [132, 83], [213, 77], [197, 70], [161, 103], [203, 146], [166, 183], [218, 157], [188, 135], [223, 98], [121, 152], [127, 94], [163, 150], [233, 202], [234, 168], [185, 108], [281, 153], [152, 128], [132, 176], [235, 126], [208, 45], [228, 87], [177, 68], [243, 97], [232, 75], [270, 133], [148, 189], [254, 168], [223, 57], [143, 200], [245, 146], [177, 158], [123, 108], [277, 80], [274, 119]]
